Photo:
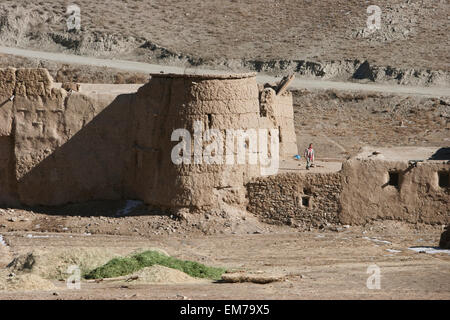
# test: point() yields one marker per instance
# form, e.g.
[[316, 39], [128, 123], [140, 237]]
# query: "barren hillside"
[[340, 123], [314, 38]]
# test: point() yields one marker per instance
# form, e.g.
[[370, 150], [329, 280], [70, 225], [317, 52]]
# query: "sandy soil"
[[317, 264]]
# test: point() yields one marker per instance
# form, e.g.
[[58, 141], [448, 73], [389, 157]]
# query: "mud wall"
[[297, 199], [277, 111], [170, 102], [7, 179], [367, 194], [64, 147], [7, 160], [58, 147], [357, 194]]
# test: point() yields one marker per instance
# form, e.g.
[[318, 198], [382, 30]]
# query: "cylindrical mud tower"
[[196, 103]]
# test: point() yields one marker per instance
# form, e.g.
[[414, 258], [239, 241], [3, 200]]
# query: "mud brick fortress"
[[110, 142]]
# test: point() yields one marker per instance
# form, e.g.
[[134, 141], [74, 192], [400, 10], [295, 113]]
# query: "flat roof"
[[299, 166], [404, 153], [105, 88], [219, 75]]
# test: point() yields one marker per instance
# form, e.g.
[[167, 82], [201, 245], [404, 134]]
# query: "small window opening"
[[262, 105], [394, 178], [262, 111], [305, 201], [209, 120], [444, 179]]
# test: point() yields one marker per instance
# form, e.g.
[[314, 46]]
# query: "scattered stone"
[[23, 263]]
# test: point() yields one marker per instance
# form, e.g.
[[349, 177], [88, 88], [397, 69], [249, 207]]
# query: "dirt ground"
[[327, 263]]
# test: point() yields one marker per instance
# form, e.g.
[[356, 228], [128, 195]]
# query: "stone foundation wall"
[[296, 199]]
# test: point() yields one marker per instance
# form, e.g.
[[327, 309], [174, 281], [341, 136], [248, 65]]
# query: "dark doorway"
[[394, 179], [444, 179]]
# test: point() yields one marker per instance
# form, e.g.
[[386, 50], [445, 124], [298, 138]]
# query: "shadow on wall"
[[8, 192], [100, 208], [90, 165], [4, 102], [441, 154]]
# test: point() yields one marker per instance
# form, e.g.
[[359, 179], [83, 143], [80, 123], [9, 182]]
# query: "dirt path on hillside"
[[296, 84]]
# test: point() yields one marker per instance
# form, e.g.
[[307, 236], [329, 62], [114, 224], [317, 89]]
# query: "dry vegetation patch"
[[240, 277]]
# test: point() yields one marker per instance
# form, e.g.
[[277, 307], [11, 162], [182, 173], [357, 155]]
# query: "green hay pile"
[[54, 263], [123, 266]]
